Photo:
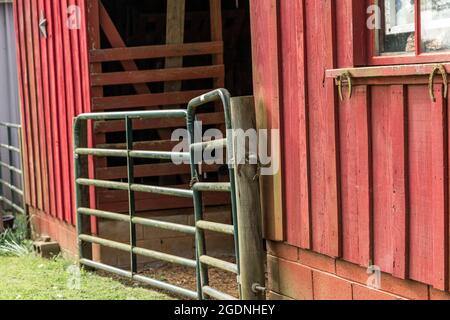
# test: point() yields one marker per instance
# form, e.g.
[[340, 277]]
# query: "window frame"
[[417, 57]]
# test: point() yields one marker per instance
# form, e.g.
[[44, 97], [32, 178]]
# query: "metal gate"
[[16, 202], [82, 184]]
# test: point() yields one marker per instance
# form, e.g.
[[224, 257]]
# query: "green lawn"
[[33, 278]]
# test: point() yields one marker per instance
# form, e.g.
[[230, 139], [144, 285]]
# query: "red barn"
[[364, 183], [357, 88]]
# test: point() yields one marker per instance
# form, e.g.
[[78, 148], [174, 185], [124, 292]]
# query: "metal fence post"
[[11, 164], [82, 192]]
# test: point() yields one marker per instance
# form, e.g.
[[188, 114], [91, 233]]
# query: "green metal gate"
[[15, 183], [82, 184]]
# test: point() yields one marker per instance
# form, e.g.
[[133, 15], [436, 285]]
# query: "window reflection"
[[397, 35], [435, 16]]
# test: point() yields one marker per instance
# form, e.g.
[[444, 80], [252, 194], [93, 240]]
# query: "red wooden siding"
[[365, 179], [264, 19], [54, 87]]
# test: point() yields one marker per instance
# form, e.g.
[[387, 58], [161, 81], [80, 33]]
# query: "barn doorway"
[[159, 54]]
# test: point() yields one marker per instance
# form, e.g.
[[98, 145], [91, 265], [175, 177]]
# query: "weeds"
[[14, 242]]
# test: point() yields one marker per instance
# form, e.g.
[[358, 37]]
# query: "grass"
[[32, 278], [15, 242]]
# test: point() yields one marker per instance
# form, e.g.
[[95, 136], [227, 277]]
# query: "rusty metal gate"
[[83, 183]]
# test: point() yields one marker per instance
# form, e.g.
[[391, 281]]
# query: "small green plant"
[[14, 242]]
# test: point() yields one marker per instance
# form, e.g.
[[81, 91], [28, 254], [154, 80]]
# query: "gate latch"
[[438, 69], [344, 78]]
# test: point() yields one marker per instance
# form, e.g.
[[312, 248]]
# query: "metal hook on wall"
[[345, 77], [43, 25], [441, 69]]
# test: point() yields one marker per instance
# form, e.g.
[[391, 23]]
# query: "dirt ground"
[[185, 277]]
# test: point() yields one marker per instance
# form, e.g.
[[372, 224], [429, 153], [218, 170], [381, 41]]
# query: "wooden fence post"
[[252, 273]]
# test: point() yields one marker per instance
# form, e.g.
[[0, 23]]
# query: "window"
[[435, 15], [412, 31]]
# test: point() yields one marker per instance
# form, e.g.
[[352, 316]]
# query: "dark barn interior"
[[206, 47]]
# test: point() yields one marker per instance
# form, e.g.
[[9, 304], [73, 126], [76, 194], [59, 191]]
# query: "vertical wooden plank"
[[175, 35], [45, 99], [53, 110], [77, 86], [351, 33], [439, 163], [71, 99], [84, 56], [264, 25], [447, 225], [24, 102], [295, 126], [217, 35], [382, 178], [390, 179], [40, 120], [34, 119], [325, 206], [62, 108], [422, 158], [94, 42], [356, 177], [397, 130]]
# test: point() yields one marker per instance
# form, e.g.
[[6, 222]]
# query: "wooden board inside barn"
[[160, 55]]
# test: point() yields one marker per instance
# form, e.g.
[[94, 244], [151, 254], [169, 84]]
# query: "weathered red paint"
[[366, 179], [54, 87]]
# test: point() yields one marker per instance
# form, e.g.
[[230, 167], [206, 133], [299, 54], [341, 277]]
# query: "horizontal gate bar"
[[10, 125], [140, 251], [216, 294], [213, 144], [165, 225], [140, 221], [167, 287], [220, 264], [212, 187], [166, 257], [154, 114], [104, 214], [136, 187], [216, 227], [101, 152], [10, 168], [10, 148], [11, 187], [152, 282], [161, 155], [13, 205]]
